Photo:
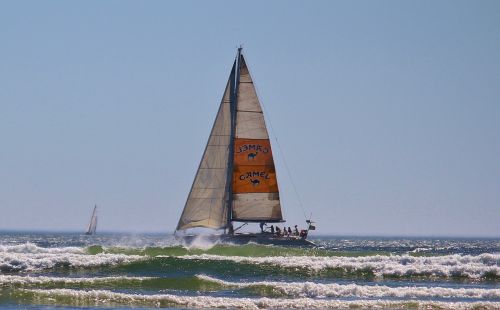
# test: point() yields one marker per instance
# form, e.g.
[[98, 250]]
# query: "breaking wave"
[[311, 289], [484, 266], [236, 259], [23, 281], [259, 288], [189, 283], [29, 257], [103, 297], [254, 250], [29, 247]]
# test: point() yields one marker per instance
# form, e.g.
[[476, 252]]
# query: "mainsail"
[[255, 187], [93, 223], [236, 179]]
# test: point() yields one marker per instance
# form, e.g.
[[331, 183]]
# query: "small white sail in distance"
[[93, 223]]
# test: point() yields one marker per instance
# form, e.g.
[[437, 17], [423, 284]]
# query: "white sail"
[[93, 223], [250, 122], [255, 186], [206, 205]]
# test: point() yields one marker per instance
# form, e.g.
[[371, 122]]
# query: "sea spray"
[[202, 242]]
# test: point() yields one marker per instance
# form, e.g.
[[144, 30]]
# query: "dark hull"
[[266, 239]]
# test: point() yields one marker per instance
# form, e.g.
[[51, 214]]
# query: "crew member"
[[262, 227]]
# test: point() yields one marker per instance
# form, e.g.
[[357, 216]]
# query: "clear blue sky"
[[388, 112]]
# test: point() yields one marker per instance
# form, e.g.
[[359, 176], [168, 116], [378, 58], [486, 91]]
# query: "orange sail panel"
[[254, 179], [253, 167], [253, 152]]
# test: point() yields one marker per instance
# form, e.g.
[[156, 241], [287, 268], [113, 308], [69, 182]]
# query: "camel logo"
[[251, 156], [253, 150], [254, 176]]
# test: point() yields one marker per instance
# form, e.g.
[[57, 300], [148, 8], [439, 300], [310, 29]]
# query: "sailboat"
[[93, 223], [236, 178]]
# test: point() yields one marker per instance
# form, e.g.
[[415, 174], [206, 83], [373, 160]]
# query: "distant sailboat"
[[236, 179], [93, 223]]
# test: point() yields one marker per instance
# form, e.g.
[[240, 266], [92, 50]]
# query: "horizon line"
[[361, 235]]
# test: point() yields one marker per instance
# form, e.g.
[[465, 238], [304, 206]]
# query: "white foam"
[[395, 265], [11, 262], [311, 289], [100, 297], [38, 280], [29, 247]]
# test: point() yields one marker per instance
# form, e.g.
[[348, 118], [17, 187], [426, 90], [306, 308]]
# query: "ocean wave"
[[30, 257], [13, 280], [189, 283], [16, 262], [250, 250], [259, 250], [484, 266], [311, 289], [32, 248], [103, 297], [260, 288]]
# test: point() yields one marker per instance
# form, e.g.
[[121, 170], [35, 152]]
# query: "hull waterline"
[[265, 239]]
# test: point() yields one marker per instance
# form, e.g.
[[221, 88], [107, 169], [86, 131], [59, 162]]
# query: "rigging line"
[[282, 154], [288, 171]]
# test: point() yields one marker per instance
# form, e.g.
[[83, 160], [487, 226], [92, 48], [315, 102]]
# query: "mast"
[[233, 108]]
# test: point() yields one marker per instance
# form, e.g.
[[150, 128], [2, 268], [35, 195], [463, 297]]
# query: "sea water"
[[68, 271]]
